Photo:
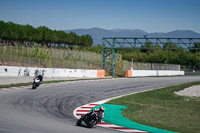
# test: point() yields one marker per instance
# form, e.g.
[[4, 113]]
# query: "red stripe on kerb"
[[86, 107], [82, 110], [123, 128], [9, 88], [104, 123], [80, 114], [93, 104], [139, 132], [29, 86]]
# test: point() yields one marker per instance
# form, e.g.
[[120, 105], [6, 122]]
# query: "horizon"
[[126, 29], [109, 29], [152, 16]]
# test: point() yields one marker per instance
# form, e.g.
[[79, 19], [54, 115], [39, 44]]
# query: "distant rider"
[[39, 77]]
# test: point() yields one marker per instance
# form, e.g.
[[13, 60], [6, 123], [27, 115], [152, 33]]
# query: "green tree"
[[157, 56], [149, 47], [171, 46], [88, 41], [195, 48], [26, 33], [43, 35]]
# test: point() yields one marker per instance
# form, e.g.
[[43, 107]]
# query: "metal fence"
[[22, 55], [52, 52], [59, 58], [121, 67], [149, 66], [47, 63]]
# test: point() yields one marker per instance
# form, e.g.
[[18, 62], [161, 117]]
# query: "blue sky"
[[148, 15]]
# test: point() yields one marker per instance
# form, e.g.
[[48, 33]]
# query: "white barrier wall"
[[77, 73], [137, 73], [46, 72]]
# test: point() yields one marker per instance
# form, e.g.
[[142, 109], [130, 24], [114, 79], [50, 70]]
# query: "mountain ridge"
[[98, 33]]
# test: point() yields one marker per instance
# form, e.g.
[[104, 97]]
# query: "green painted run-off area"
[[113, 115]]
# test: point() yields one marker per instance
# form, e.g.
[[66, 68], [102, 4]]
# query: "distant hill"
[[98, 33]]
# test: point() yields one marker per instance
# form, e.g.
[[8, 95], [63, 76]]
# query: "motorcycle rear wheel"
[[34, 86], [91, 124]]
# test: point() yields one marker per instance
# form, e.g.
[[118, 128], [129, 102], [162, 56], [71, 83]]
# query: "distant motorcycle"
[[36, 83], [89, 120]]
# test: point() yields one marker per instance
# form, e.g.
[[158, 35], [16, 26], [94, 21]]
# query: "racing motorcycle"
[[89, 120], [36, 83]]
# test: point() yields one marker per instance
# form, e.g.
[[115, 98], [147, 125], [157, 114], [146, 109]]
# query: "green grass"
[[163, 109], [30, 83], [193, 74], [45, 82]]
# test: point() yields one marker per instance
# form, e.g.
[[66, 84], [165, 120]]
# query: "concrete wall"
[[13, 71], [49, 72], [138, 73]]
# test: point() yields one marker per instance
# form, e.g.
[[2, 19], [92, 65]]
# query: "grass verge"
[[163, 109], [193, 74], [30, 83], [44, 82]]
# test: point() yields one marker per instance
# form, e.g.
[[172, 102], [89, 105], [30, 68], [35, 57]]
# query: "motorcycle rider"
[[98, 111], [39, 77], [92, 118]]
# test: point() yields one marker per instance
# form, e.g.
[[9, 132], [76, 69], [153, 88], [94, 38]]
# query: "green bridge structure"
[[109, 45]]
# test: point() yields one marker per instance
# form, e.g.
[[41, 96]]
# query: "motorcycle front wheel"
[[78, 123]]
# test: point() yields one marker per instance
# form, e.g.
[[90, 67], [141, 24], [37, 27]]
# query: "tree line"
[[27, 34]]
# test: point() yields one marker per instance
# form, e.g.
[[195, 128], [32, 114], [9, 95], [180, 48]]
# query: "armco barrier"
[[143, 73], [12, 71]]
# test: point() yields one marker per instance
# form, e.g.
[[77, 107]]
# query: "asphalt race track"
[[49, 109]]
